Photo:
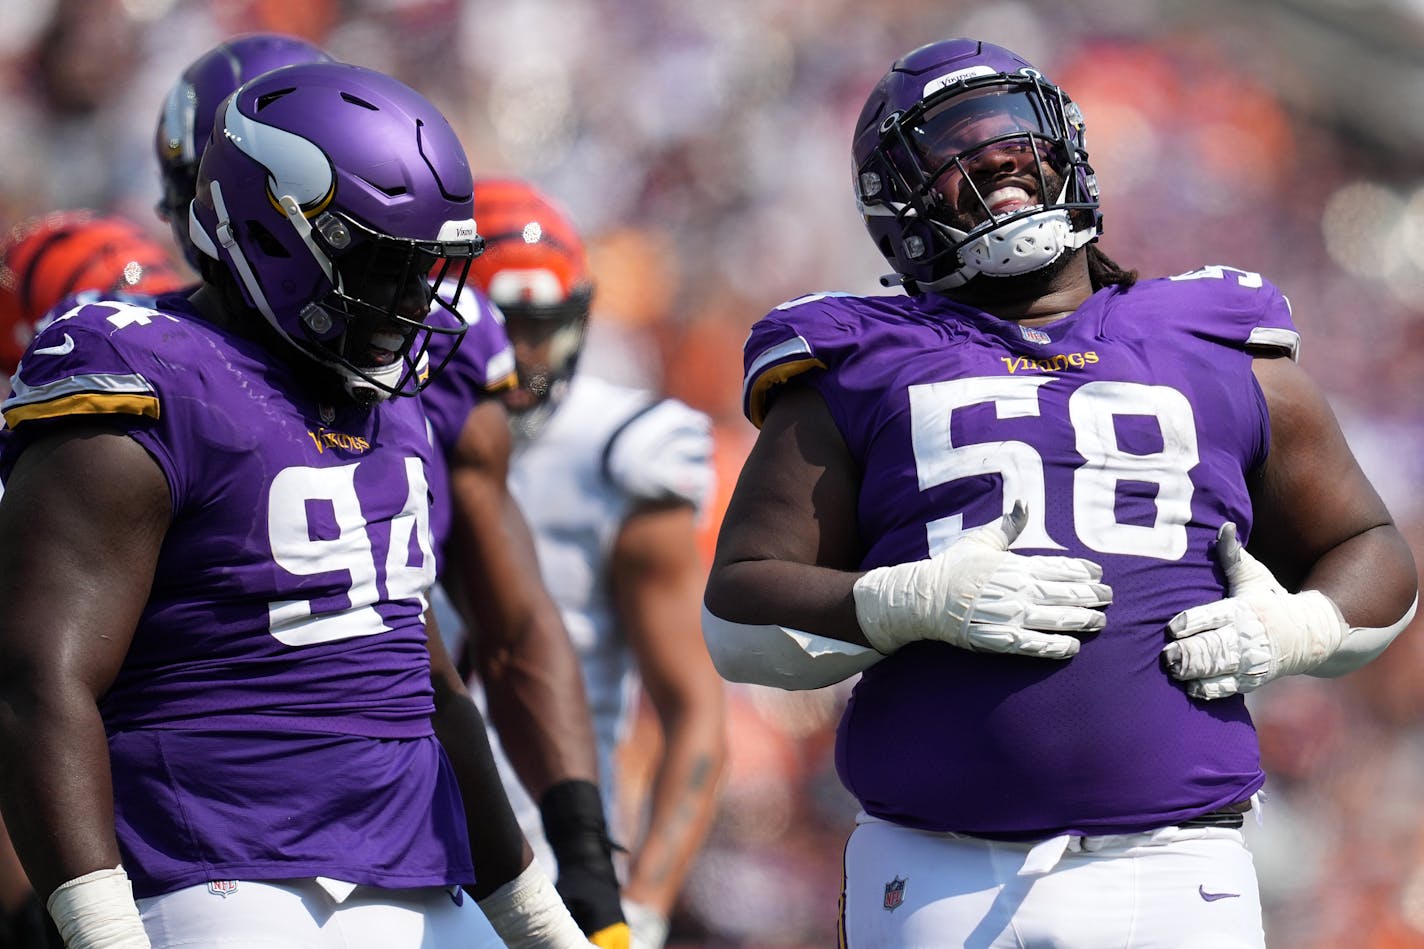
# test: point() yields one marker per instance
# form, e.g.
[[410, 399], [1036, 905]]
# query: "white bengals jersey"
[[606, 450]]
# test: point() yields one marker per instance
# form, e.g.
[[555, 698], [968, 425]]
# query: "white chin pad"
[[1020, 246], [361, 389]]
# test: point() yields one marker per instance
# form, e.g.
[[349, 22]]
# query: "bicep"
[[82, 523], [493, 569], [789, 533], [657, 577], [1311, 498], [795, 498]]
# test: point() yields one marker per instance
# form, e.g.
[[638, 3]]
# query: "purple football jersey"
[[277, 692], [1128, 428], [480, 366]]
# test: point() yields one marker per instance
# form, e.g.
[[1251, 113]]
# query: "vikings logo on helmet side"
[[337, 198], [186, 118]]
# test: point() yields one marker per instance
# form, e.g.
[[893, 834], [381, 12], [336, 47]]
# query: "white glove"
[[1258, 633], [978, 595], [648, 927]]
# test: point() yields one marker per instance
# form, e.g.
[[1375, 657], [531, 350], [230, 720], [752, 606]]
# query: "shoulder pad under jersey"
[[94, 359], [808, 333], [663, 452], [1235, 307]]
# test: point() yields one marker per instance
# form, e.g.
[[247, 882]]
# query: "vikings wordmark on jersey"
[[1127, 428], [286, 611]]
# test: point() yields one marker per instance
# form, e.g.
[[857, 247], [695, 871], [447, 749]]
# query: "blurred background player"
[[186, 119], [612, 479], [237, 604], [53, 256], [1050, 744], [526, 659], [43, 262]]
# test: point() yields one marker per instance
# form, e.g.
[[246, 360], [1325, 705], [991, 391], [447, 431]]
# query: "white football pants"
[[305, 914], [1183, 888]]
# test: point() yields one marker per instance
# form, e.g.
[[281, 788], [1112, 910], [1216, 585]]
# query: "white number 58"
[[1106, 464]]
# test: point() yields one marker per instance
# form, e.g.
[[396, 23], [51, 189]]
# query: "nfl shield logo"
[[1035, 335], [894, 894], [222, 887]]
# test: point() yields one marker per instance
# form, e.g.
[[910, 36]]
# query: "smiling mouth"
[[1007, 200], [384, 348]]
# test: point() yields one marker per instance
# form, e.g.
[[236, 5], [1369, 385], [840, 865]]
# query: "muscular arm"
[[657, 580], [81, 525], [788, 548], [520, 648], [1319, 524], [497, 845]]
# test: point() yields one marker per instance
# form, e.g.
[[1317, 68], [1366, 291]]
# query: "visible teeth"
[[1007, 198], [389, 341]]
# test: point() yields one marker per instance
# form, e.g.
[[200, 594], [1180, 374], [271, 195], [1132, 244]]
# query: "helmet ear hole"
[[258, 233], [886, 250]]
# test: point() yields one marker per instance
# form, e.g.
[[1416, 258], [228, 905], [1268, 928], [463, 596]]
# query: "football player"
[[226, 718], [612, 480], [53, 256], [525, 657], [1018, 499], [185, 120]]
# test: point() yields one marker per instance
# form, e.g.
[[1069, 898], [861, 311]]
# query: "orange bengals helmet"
[[47, 258], [535, 269], [534, 262]]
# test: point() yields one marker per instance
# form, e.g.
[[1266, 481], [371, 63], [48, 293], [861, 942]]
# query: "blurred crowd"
[[705, 150]]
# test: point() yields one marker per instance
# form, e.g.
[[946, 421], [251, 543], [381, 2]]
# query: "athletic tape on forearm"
[[527, 913], [1363, 644], [97, 911], [765, 654], [1302, 630]]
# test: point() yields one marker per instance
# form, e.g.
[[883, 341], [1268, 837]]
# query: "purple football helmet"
[[968, 161], [337, 198], [187, 115]]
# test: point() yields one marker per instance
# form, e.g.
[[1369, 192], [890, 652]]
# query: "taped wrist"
[[1305, 629], [97, 911], [574, 825], [527, 913]]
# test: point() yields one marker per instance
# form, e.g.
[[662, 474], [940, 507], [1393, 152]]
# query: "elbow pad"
[[1363, 644], [764, 654]]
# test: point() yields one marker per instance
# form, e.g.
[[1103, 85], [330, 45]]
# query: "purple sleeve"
[[482, 364]]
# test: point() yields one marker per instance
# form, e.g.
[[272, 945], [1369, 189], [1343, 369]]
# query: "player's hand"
[[980, 596], [1259, 632], [649, 928]]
